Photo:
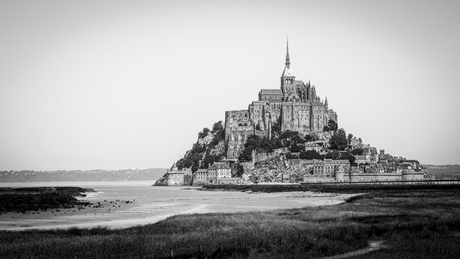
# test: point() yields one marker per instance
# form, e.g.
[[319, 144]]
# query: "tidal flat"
[[128, 204], [405, 223]]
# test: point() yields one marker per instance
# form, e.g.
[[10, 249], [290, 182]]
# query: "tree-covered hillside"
[[211, 146]]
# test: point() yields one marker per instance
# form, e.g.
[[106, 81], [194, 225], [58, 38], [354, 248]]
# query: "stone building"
[[217, 171], [201, 177], [295, 107], [212, 175], [326, 170], [174, 176]]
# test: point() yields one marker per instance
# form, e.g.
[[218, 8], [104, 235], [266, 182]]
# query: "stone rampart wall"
[[413, 176], [317, 179], [200, 182], [372, 177]]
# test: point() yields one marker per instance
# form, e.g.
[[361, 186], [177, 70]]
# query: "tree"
[[264, 146], [239, 170], [298, 139], [197, 148], [351, 158], [333, 155], [310, 154], [339, 140], [357, 151], [349, 138], [254, 142], [296, 148], [276, 128], [246, 155], [288, 134], [309, 137], [203, 133], [209, 160], [332, 125], [276, 143], [217, 126]]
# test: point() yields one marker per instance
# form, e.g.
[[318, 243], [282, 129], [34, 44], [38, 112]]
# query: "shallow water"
[[125, 204]]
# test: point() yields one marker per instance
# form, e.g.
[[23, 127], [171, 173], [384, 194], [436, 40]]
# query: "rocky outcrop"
[[41, 198], [163, 181], [210, 147]]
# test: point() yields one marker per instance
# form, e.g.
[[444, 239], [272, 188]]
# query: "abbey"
[[295, 107]]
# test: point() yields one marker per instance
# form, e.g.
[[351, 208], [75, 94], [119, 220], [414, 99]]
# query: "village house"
[[217, 171], [326, 170], [213, 175], [201, 177]]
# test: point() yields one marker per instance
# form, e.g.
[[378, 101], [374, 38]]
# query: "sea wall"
[[409, 175], [317, 179], [372, 177]]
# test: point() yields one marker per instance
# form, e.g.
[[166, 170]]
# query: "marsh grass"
[[415, 223]]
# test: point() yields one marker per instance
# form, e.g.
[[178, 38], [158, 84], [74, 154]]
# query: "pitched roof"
[[271, 91], [219, 165]]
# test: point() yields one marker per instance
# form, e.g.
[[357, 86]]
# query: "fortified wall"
[[275, 168]]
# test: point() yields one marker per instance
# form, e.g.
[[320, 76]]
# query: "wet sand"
[[127, 213]]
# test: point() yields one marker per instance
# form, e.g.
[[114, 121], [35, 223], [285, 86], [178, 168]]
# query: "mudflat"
[[140, 204]]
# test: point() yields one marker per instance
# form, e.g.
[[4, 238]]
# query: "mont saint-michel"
[[289, 135], [293, 107]]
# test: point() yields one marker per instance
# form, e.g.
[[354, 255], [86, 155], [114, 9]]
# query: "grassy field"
[[413, 223]]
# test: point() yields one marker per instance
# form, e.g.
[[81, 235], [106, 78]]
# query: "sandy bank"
[[123, 213]]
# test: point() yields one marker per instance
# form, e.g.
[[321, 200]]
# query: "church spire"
[[287, 69], [288, 60], [287, 78]]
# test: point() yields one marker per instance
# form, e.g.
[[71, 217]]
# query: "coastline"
[[124, 214]]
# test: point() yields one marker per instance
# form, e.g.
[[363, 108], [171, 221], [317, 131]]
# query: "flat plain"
[[420, 222]]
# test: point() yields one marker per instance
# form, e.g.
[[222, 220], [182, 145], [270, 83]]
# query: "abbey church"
[[295, 107]]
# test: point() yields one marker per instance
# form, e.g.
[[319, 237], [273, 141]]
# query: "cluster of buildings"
[[295, 107], [217, 173], [328, 170], [300, 171]]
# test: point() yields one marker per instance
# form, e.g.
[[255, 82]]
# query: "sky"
[[129, 84]]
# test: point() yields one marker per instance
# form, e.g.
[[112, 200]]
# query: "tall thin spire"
[[287, 72], [288, 60]]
